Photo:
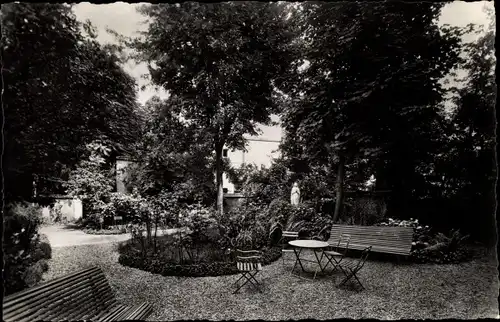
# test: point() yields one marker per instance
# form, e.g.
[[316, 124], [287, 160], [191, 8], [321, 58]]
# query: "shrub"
[[24, 250], [115, 231], [430, 247], [34, 273], [44, 247], [93, 180], [200, 221], [423, 236], [56, 215], [278, 213], [316, 185], [125, 205], [244, 226], [308, 222], [264, 184], [364, 211]]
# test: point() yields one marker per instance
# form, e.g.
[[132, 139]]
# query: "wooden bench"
[[84, 295], [383, 239]]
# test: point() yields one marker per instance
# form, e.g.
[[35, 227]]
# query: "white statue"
[[295, 195]]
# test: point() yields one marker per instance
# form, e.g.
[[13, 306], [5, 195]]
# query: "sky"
[[123, 18]]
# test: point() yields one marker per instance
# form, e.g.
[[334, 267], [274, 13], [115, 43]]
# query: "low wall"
[[232, 200], [71, 209]]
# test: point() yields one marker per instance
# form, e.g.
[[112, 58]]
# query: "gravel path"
[[465, 291]]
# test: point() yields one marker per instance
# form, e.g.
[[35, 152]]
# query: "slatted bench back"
[[72, 297], [391, 240]]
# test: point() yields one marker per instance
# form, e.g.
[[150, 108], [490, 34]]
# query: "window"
[[224, 153]]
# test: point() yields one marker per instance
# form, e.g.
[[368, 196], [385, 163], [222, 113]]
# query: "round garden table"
[[315, 245]]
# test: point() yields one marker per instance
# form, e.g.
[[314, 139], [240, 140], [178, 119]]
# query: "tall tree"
[[471, 161], [61, 91], [172, 160], [372, 81], [220, 59]]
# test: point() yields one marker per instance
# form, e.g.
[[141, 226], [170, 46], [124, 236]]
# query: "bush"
[[124, 205], [244, 227], [316, 185], [430, 247], [278, 213], [25, 251], [264, 184], [364, 211], [34, 273], [308, 222], [201, 223], [93, 180], [44, 248], [115, 231], [56, 215]]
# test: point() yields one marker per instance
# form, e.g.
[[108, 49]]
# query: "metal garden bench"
[[84, 295], [389, 240]]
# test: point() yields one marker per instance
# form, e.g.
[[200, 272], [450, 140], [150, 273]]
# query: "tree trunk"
[[340, 188], [219, 182], [156, 232], [148, 229]]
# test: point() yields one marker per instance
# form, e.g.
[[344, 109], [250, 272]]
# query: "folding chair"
[[285, 238], [336, 254], [351, 267], [249, 264]]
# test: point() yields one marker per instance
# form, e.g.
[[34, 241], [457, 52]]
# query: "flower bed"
[[131, 257], [91, 231]]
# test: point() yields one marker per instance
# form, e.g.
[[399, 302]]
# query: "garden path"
[[63, 236], [464, 291]]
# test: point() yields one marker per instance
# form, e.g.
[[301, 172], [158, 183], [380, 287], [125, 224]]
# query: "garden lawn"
[[406, 291]]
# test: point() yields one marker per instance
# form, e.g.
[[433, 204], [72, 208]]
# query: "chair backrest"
[[362, 259], [248, 256], [287, 235], [343, 243], [290, 234]]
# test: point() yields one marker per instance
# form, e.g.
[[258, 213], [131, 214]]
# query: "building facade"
[[261, 150]]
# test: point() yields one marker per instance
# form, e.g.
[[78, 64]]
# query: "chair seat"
[[247, 267], [332, 253], [349, 263], [287, 250]]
